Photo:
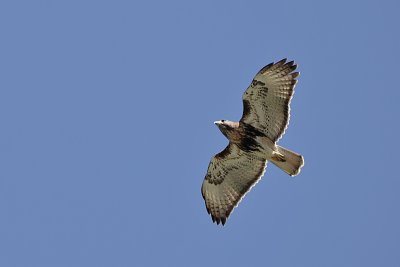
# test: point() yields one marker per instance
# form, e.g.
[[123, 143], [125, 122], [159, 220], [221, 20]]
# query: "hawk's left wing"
[[230, 175], [266, 101]]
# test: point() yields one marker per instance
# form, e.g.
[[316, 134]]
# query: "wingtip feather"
[[223, 220], [283, 60], [291, 63], [295, 75]]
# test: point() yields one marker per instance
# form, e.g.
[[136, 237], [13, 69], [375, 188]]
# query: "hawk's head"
[[227, 127]]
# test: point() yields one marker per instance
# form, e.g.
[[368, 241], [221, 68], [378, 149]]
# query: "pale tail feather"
[[293, 161]]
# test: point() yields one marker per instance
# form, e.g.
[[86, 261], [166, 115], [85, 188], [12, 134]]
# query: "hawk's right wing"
[[230, 175]]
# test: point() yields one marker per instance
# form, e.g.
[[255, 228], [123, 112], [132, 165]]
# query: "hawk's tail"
[[290, 163]]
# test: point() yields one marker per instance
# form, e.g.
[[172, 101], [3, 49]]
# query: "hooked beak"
[[217, 122]]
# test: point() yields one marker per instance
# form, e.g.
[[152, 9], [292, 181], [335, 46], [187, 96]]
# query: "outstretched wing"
[[230, 175], [266, 102]]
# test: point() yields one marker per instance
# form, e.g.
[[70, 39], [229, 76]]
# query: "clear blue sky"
[[107, 110]]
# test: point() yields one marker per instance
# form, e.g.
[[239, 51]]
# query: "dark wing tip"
[[277, 64], [281, 61], [208, 210], [291, 63], [266, 67], [218, 220], [215, 219], [295, 75], [223, 220]]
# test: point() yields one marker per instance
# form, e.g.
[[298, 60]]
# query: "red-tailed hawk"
[[252, 141]]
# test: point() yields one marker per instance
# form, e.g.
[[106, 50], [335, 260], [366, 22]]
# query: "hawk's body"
[[252, 141]]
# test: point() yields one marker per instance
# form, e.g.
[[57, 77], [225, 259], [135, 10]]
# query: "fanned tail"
[[292, 162]]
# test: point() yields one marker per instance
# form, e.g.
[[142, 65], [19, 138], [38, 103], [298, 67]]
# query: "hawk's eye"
[[222, 120]]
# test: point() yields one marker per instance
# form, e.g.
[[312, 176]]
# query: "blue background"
[[107, 110]]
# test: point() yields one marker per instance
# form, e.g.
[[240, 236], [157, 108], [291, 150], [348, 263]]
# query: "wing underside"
[[266, 102], [230, 175]]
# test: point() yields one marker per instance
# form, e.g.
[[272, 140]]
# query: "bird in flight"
[[252, 141]]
